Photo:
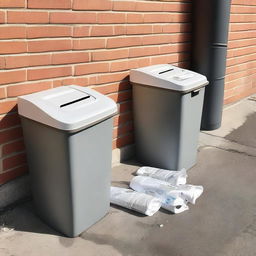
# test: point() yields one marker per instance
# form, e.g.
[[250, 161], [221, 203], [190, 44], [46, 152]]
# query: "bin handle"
[[195, 92]]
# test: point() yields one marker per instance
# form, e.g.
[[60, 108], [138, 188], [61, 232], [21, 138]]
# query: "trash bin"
[[167, 105], [68, 138]]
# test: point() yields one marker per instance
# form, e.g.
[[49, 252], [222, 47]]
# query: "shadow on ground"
[[23, 218], [245, 134]]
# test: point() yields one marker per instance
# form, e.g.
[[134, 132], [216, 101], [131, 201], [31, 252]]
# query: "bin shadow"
[[23, 217]]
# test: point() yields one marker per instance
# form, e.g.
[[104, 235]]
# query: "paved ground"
[[222, 223]]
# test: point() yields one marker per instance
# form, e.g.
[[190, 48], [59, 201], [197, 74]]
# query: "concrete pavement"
[[222, 223]]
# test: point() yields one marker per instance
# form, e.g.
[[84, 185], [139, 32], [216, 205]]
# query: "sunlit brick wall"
[[49, 43], [241, 61]]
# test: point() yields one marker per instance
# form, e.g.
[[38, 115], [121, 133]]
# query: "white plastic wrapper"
[[176, 209], [165, 190], [136, 201], [172, 177]]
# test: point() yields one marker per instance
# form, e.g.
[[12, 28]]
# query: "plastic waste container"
[[68, 138], [167, 105]]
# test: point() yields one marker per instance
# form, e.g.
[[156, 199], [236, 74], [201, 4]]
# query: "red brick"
[[122, 96], [163, 17], [111, 17], [112, 77], [2, 93], [49, 4], [182, 37], [122, 141], [241, 35], [72, 17], [142, 62], [125, 106], [240, 67], [124, 5], [7, 106], [240, 74], [71, 57], [241, 51], [123, 42], [13, 147], [91, 68], [157, 28], [243, 9], [143, 51], [122, 118], [156, 39], [110, 54], [12, 32], [139, 29], [179, 7], [27, 61], [157, 17], [11, 134], [149, 6], [182, 47], [48, 31], [135, 18], [22, 89], [49, 45], [2, 62], [12, 47], [112, 88], [119, 30], [176, 28], [35, 74], [14, 173], [2, 17], [123, 65], [9, 120], [242, 26], [81, 31], [241, 59], [173, 58], [121, 130], [91, 5], [83, 81], [241, 43], [12, 3], [8, 77], [27, 17], [244, 2], [99, 30], [14, 161], [242, 18], [88, 43]]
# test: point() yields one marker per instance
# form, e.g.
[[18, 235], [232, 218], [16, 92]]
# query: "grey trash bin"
[[68, 137], [167, 105]]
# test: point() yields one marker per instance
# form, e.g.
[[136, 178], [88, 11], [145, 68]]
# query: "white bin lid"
[[67, 108], [168, 77]]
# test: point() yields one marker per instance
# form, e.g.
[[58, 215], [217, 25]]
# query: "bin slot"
[[165, 71], [74, 101]]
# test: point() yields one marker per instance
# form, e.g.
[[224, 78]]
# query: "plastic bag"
[[170, 201], [172, 177], [136, 201], [163, 189]]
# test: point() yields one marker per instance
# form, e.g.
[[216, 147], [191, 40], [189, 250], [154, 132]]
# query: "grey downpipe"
[[209, 51]]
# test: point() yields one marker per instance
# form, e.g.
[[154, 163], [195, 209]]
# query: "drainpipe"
[[209, 50]]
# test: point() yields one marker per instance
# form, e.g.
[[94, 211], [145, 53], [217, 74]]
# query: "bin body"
[[166, 134], [70, 173]]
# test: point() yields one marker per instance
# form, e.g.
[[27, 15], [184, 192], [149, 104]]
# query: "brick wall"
[[241, 61], [49, 43]]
